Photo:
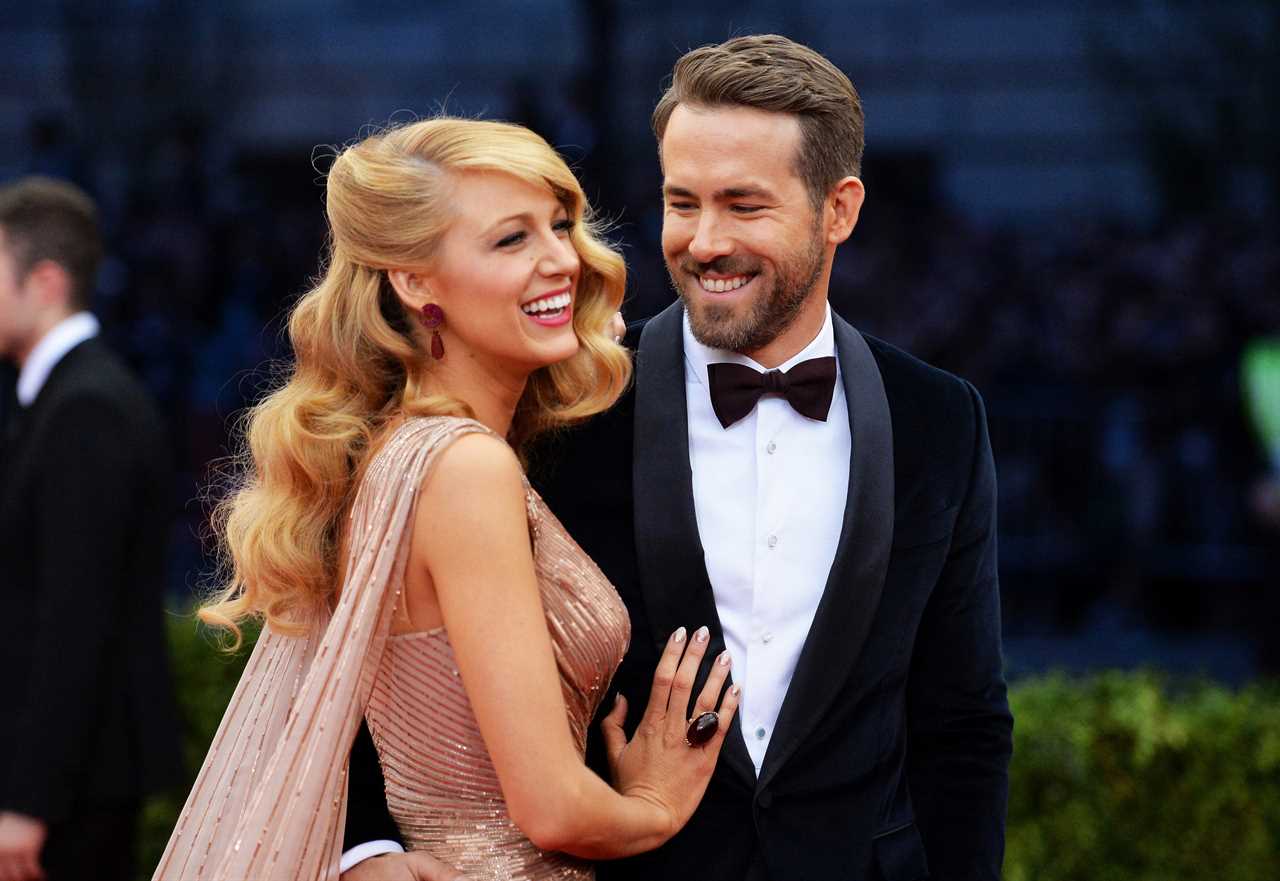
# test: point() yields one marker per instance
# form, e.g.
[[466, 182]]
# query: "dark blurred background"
[[1073, 205]]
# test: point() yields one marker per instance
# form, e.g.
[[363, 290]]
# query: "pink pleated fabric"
[[269, 803]]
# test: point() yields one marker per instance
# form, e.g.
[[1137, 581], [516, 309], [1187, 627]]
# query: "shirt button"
[[772, 541], [766, 637], [771, 448], [759, 734]]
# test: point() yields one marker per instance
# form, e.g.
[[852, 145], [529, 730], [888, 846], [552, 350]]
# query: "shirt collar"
[[52, 348], [698, 356]]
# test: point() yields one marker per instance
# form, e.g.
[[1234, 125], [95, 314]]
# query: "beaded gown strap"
[[270, 800]]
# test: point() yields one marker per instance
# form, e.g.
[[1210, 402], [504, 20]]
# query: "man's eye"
[[514, 239], [681, 206], [747, 209]]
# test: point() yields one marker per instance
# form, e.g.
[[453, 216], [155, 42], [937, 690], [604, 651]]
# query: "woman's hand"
[[658, 765]]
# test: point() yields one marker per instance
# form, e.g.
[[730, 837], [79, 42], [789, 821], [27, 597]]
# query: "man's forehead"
[[729, 148], [729, 176]]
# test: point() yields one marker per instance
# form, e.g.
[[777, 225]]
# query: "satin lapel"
[[852, 593], [673, 571]]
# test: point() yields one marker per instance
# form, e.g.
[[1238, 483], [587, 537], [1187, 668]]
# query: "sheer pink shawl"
[[270, 801]]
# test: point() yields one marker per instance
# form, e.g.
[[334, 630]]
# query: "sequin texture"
[[441, 785], [268, 803]]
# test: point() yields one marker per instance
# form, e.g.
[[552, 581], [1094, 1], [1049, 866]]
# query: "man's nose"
[[709, 241]]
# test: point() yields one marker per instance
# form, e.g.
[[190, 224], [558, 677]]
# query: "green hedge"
[[1132, 777], [1115, 777]]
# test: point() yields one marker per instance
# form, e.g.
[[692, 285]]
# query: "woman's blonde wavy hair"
[[358, 360]]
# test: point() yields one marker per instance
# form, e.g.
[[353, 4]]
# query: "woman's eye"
[[514, 239], [565, 225]]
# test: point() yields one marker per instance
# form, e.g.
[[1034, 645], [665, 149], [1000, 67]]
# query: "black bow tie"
[[808, 387]]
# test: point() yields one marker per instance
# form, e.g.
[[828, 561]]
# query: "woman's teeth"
[[548, 304], [720, 285]]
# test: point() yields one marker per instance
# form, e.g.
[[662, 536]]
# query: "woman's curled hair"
[[358, 361]]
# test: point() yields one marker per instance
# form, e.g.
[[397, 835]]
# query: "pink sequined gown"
[[442, 789], [269, 802]]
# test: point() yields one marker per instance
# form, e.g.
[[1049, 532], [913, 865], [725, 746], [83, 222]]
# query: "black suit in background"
[[90, 723], [8, 403], [890, 755]]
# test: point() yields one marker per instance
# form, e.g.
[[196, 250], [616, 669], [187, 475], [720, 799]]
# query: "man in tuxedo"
[[89, 721], [826, 501]]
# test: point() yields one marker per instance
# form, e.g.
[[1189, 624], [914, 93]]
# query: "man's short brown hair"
[[47, 219], [769, 72]]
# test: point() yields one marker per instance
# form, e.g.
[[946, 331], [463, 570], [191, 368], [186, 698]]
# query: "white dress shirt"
[[769, 492], [367, 851], [52, 348]]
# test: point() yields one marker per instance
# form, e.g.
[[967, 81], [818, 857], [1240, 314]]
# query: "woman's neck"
[[490, 392]]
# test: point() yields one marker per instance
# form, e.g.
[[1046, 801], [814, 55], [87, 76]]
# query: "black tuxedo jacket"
[[85, 488], [890, 755]]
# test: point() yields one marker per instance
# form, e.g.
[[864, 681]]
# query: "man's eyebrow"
[[746, 192], [743, 192], [681, 192]]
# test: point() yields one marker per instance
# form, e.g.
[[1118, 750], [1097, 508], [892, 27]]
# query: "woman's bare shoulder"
[[475, 469]]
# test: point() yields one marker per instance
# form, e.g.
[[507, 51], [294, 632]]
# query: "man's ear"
[[52, 286], [844, 205]]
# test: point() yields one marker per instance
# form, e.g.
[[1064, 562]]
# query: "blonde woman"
[[404, 568]]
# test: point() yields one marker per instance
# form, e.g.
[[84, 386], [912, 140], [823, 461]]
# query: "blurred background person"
[[85, 481]]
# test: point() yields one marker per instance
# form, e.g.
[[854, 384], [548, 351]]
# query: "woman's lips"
[[553, 318], [551, 310]]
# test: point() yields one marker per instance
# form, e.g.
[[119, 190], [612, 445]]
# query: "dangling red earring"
[[433, 320]]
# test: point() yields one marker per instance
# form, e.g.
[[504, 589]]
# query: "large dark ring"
[[702, 728]]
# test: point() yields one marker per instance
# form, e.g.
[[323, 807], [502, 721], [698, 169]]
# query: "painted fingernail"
[[678, 636], [737, 690], [724, 659], [702, 634]]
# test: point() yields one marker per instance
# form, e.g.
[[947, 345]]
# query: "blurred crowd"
[[1110, 358], [1108, 354]]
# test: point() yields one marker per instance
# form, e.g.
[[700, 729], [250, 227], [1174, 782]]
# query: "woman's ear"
[[411, 287]]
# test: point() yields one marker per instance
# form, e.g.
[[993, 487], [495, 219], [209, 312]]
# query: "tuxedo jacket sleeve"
[[959, 730]]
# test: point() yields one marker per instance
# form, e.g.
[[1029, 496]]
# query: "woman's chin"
[[565, 352], [554, 351], [561, 347]]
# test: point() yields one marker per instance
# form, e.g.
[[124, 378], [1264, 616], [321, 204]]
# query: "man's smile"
[[721, 284]]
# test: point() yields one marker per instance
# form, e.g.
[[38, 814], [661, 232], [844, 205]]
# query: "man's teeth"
[[547, 304], [720, 285]]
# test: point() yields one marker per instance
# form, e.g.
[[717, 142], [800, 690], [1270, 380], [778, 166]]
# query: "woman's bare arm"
[[472, 565]]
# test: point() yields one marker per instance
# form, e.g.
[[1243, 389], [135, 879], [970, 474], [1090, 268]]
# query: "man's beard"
[[770, 312]]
